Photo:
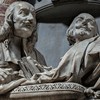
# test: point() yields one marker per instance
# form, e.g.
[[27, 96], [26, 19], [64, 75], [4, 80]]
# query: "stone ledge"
[[49, 91], [49, 87]]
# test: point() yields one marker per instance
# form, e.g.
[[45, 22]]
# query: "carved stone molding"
[[49, 87], [48, 91]]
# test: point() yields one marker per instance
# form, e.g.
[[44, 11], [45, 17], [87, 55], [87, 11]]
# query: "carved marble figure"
[[81, 63], [17, 46], [22, 64]]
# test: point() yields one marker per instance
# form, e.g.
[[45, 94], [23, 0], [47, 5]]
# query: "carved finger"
[[4, 75], [6, 72], [97, 94], [9, 70], [89, 91], [15, 73], [1, 79]]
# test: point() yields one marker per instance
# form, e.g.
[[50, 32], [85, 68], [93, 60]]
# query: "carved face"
[[84, 27], [24, 21]]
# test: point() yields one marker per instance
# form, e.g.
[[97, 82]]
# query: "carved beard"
[[82, 34], [81, 31]]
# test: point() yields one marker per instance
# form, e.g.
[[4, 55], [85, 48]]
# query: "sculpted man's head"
[[83, 27], [20, 20], [24, 21]]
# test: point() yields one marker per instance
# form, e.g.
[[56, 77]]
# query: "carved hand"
[[6, 75]]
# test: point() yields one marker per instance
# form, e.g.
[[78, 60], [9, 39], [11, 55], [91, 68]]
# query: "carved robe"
[[10, 53], [79, 64]]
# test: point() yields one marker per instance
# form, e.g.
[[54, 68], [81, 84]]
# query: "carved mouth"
[[28, 26], [85, 29]]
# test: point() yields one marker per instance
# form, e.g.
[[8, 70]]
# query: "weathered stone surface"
[[7, 1], [3, 6]]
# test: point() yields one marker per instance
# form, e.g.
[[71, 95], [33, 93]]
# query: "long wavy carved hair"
[[70, 30], [7, 30]]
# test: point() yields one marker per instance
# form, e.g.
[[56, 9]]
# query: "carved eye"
[[23, 12], [91, 22], [80, 19]]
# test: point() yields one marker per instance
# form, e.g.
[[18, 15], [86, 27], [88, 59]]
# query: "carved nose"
[[78, 26], [84, 23], [30, 17]]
